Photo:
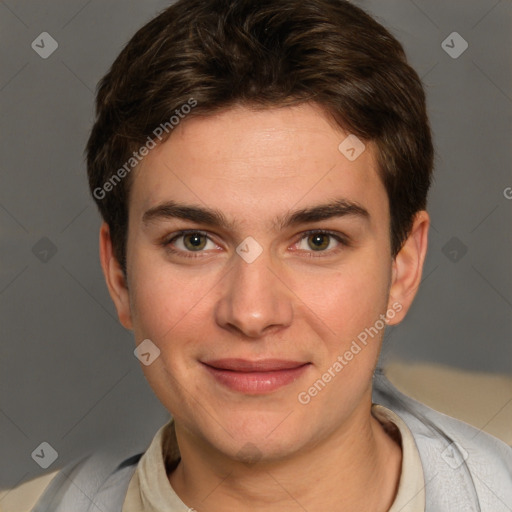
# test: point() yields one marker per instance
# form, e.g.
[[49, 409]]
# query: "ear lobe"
[[408, 267], [114, 277]]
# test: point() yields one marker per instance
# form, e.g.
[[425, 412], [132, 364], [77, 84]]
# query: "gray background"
[[67, 369]]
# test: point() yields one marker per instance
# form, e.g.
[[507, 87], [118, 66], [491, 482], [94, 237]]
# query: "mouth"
[[255, 377]]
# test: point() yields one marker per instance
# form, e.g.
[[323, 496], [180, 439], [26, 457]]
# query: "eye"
[[189, 241], [320, 241]]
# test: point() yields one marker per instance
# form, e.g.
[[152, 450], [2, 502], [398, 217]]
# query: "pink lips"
[[255, 377]]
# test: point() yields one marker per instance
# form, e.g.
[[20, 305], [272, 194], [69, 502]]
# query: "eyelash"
[[343, 241]]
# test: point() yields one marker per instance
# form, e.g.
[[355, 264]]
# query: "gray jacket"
[[466, 470]]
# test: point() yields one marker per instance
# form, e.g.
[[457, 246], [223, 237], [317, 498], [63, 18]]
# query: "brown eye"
[[323, 243], [319, 241], [194, 241], [191, 244]]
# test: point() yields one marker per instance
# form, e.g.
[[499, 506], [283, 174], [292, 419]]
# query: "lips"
[[244, 365], [255, 377]]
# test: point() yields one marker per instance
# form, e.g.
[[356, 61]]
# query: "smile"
[[255, 377]]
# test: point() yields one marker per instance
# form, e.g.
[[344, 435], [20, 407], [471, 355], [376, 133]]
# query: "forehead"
[[258, 163]]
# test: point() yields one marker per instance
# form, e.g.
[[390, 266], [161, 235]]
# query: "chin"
[[258, 437]]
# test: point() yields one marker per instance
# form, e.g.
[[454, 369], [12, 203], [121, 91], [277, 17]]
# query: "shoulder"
[[23, 497], [463, 466], [96, 482]]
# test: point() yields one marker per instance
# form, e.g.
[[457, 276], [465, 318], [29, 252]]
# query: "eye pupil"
[[319, 241], [194, 241]]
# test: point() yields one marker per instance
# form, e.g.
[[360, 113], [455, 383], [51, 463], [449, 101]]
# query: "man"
[[262, 171]]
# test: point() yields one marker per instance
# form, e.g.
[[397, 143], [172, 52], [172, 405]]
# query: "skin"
[[293, 302]]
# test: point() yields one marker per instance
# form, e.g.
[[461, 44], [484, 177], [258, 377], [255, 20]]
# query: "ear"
[[407, 268], [114, 277]]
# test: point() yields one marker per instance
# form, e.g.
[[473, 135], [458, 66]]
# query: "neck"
[[355, 468]]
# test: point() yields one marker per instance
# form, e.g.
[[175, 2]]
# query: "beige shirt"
[[150, 491]]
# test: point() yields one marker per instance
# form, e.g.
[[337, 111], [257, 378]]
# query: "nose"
[[254, 300]]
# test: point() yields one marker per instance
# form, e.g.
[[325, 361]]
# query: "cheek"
[[348, 299], [350, 303], [161, 299], [167, 309]]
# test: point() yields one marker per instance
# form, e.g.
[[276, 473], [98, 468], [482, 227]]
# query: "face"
[[259, 264]]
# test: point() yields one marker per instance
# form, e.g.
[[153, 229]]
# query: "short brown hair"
[[263, 53]]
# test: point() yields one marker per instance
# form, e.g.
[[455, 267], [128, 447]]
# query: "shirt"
[[149, 489], [466, 469]]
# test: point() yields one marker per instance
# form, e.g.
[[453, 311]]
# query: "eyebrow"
[[215, 218]]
